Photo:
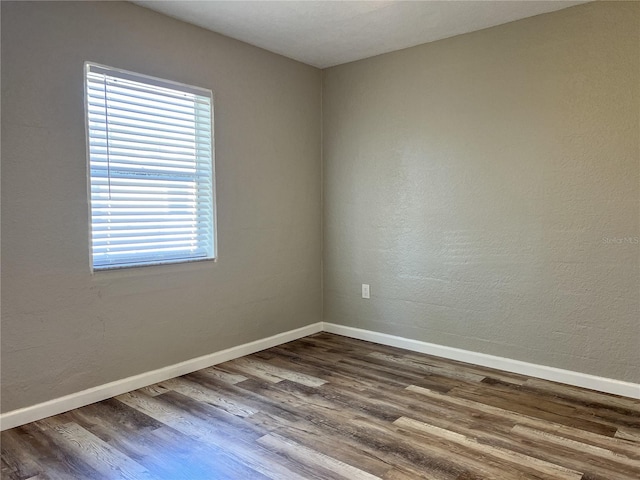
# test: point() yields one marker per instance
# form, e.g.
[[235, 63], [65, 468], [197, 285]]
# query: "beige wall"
[[64, 330], [487, 187]]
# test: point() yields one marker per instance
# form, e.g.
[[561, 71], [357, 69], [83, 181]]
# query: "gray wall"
[[63, 329], [487, 187]]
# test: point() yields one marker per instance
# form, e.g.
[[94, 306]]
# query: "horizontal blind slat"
[[97, 122], [125, 153], [144, 88], [144, 176], [99, 131], [99, 137], [151, 115], [124, 227], [96, 96], [148, 187], [130, 236], [125, 118], [146, 246], [148, 253]]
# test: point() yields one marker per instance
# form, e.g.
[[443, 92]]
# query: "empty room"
[[320, 240]]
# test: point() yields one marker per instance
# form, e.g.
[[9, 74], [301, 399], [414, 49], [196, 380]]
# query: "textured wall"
[[63, 329], [487, 187]]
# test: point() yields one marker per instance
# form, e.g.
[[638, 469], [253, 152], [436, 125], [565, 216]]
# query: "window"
[[151, 169]]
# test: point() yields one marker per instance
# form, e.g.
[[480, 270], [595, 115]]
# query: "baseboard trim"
[[39, 411], [602, 384], [56, 406]]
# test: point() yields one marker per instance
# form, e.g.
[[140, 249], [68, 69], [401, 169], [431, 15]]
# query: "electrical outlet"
[[365, 290]]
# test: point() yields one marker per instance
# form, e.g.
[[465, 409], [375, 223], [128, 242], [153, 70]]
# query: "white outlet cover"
[[365, 290]]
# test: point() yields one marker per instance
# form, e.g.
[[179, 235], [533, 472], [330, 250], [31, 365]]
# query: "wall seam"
[[322, 210]]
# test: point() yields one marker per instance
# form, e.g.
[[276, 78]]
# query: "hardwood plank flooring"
[[331, 407]]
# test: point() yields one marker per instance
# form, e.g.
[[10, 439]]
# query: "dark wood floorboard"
[[331, 407]]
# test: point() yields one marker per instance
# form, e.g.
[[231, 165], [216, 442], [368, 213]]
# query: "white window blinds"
[[151, 170]]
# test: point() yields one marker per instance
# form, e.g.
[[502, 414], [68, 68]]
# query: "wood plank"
[[198, 392], [633, 435], [18, 456], [537, 423], [154, 390], [241, 396], [321, 462], [538, 435], [219, 374], [126, 419], [318, 440], [166, 453], [50, 457], [546, 468], [535, 407], [271, 373], [584, 395], [234, 451], [607, 414], [99, 455], [426, 367]]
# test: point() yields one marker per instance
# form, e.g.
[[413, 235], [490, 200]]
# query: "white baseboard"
[[102, 392], [21, 416], [602, 384]]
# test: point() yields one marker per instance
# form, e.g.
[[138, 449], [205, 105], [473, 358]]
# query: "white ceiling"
[[328, 33]]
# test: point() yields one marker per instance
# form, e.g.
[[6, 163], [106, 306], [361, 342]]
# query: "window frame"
[[94, 67]]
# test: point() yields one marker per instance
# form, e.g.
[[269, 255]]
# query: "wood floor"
[[330, 407]]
